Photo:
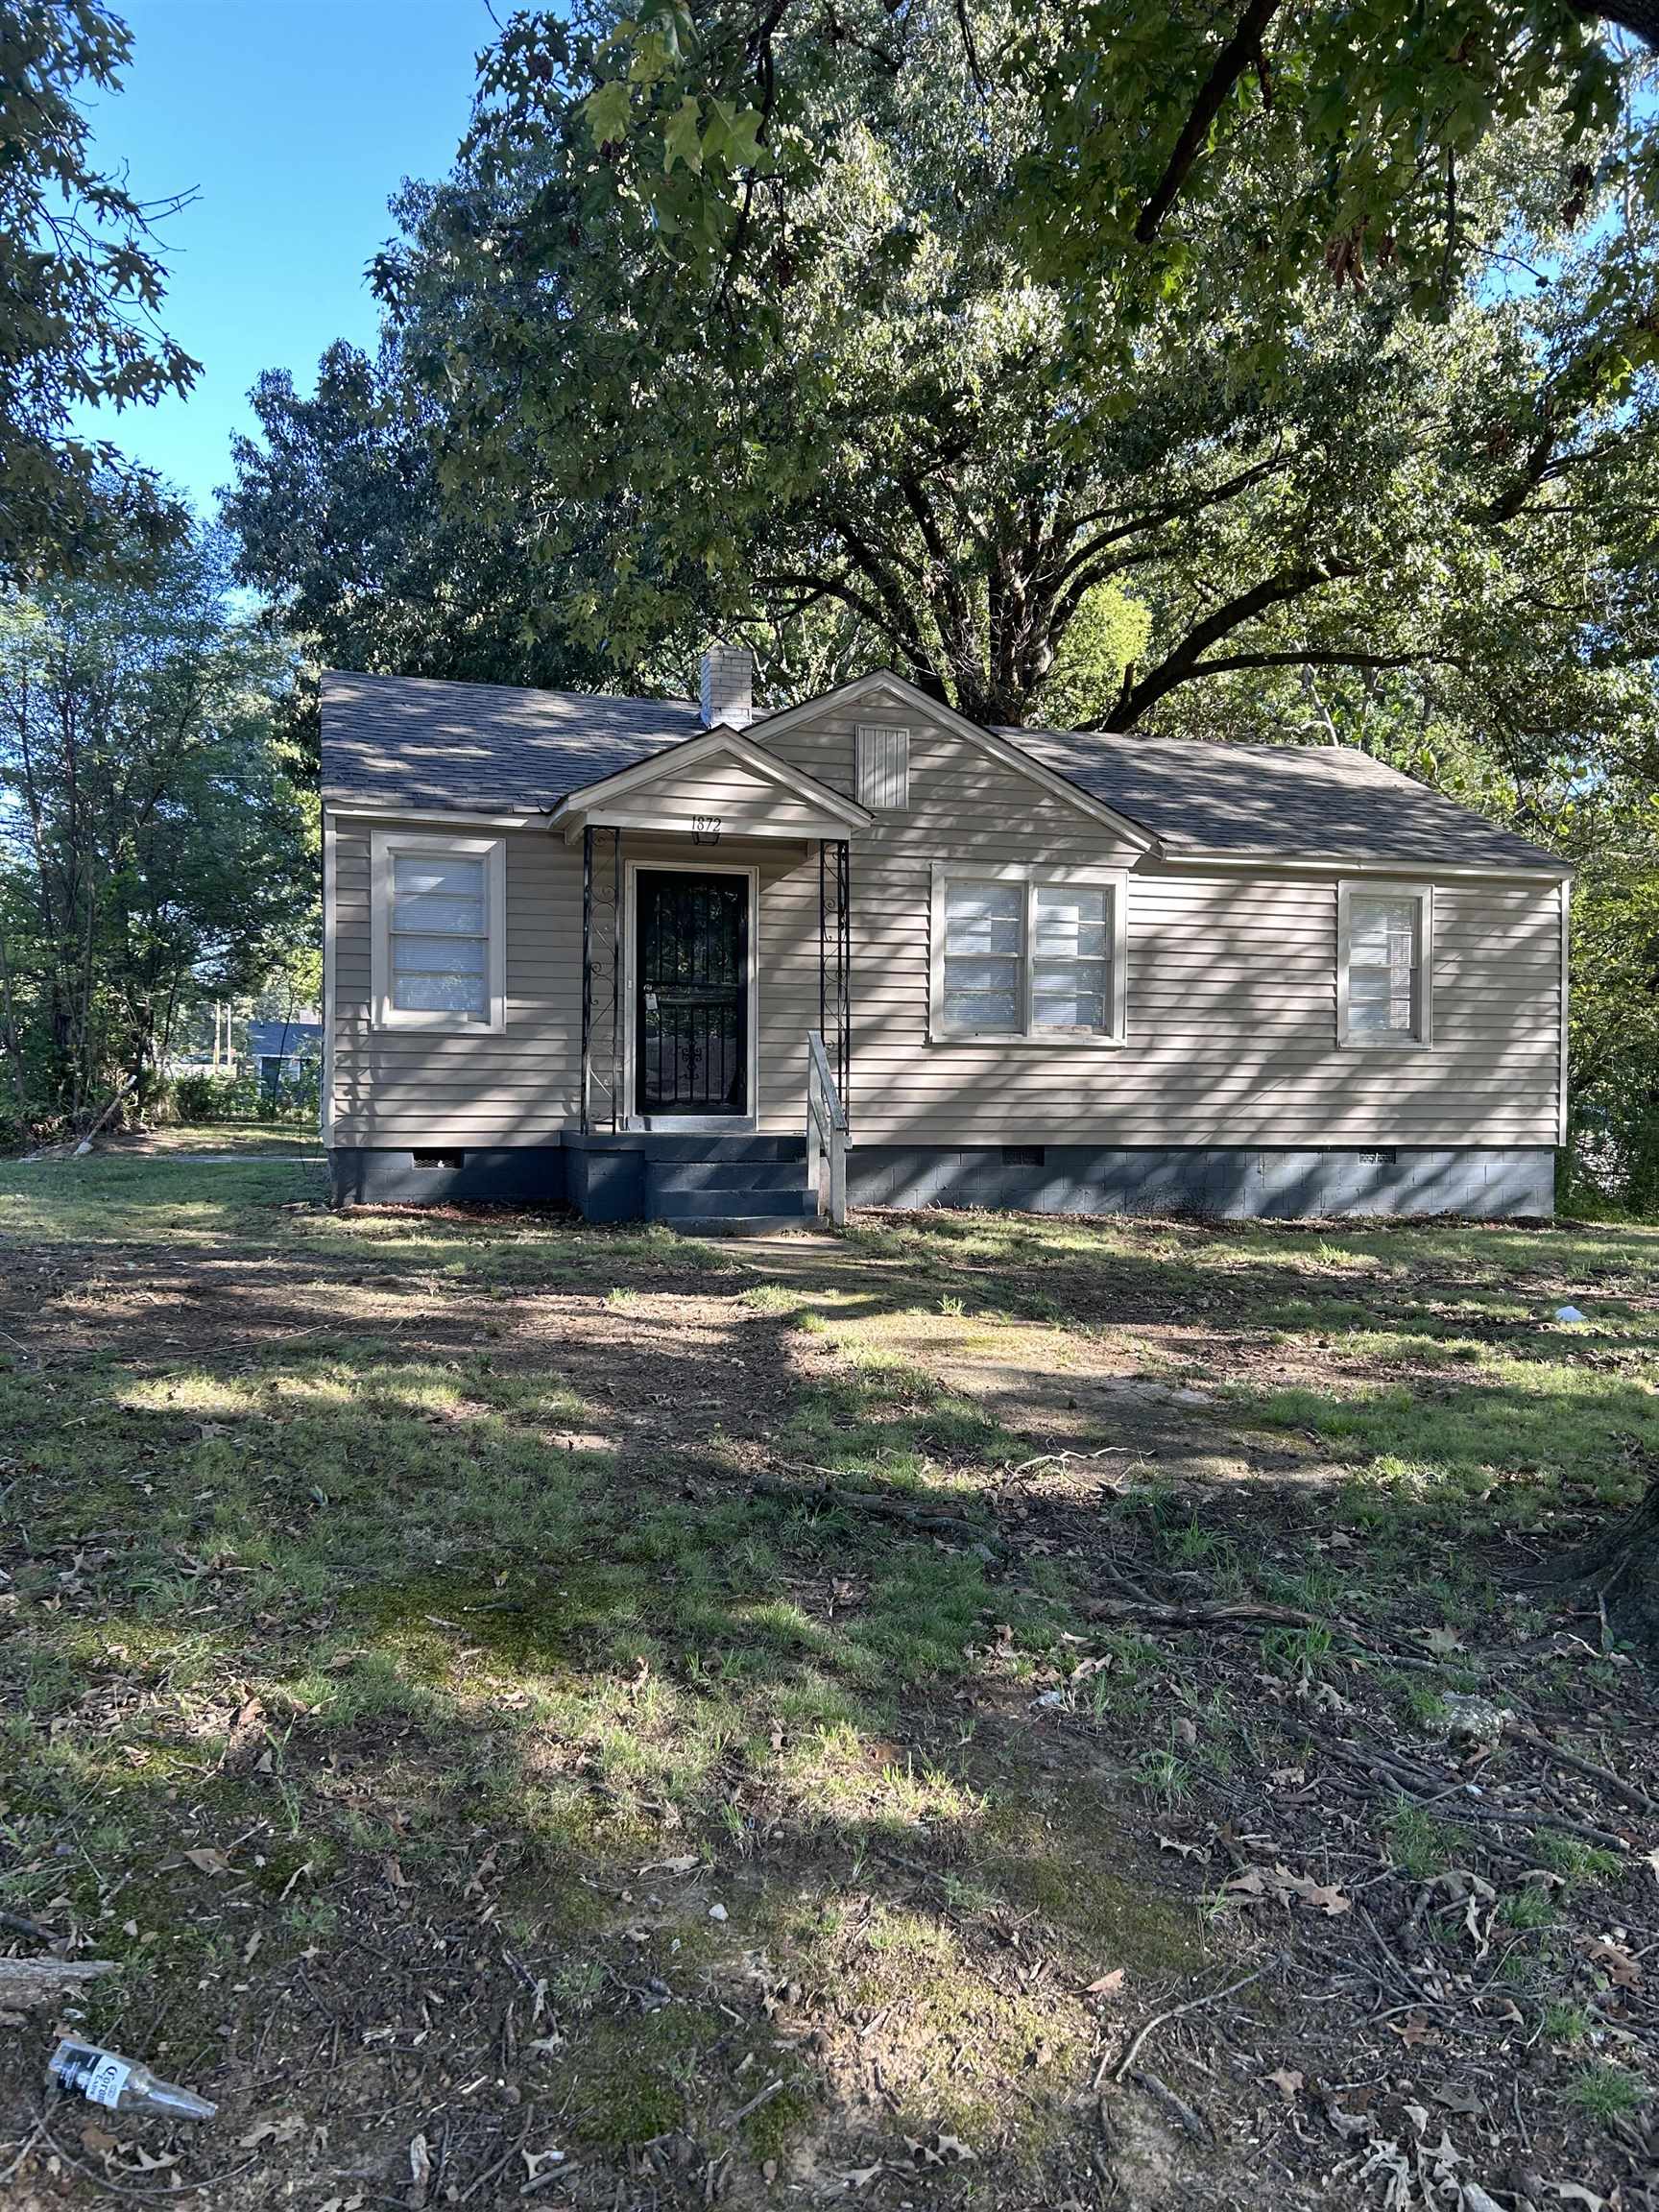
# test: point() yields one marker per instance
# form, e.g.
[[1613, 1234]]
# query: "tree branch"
[[1234, 58], [1181, 666]]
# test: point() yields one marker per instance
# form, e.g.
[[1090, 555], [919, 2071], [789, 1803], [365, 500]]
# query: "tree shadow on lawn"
[[487, 1675], [468, 1735]]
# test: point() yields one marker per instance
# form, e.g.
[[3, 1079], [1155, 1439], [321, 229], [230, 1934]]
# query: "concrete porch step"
[[663, 1175], [686, 1207], [743, 1224]]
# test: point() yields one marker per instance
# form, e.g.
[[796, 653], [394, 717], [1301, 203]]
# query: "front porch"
[[715, 881]]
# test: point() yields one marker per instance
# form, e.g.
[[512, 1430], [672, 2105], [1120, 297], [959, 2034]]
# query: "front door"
[[690, 994]]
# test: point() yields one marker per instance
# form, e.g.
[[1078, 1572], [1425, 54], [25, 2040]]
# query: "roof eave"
[[1542, 870]]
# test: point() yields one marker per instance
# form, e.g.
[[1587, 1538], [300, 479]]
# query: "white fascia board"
[[437, 817], [1282, 864]]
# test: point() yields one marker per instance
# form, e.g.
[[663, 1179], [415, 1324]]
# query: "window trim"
[[493, 852], [1421, 1037], [1114, 880]]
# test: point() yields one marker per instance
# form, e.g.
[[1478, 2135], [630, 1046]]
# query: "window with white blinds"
[[1022, 955], [883, 767], [439, 955], [1384, 945]]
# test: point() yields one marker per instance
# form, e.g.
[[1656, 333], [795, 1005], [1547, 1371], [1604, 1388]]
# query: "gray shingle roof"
[[1281, 801], [399, 741], [415, 741]]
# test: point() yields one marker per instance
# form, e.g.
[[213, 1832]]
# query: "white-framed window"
[[1029, 955], [440, 947], [883, 759], [1384, 962]]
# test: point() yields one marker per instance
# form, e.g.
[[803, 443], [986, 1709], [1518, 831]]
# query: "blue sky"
[[294, 121]]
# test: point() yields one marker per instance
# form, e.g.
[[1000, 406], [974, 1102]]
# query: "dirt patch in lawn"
[[979, 1713]]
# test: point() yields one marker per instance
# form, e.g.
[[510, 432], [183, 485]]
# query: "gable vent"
[[883, 767]]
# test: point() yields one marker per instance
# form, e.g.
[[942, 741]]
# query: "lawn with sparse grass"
[[703, 1721]]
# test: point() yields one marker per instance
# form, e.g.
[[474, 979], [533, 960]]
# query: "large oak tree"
[[785, 315]]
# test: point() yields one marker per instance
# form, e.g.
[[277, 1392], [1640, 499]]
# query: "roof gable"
[[797, 804], [997, 743]]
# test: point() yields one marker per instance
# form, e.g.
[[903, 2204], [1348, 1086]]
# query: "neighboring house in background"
[[578, 947], [280, 1051]]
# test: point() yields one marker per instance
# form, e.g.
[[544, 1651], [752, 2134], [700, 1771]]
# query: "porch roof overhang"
[[652, 795]]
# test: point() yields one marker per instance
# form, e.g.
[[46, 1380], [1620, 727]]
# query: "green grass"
[[1603, 2091], [463, 1506]]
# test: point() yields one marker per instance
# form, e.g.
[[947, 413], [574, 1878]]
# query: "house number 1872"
[[705, 828]]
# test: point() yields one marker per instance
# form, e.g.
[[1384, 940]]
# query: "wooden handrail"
[[826, 1131]]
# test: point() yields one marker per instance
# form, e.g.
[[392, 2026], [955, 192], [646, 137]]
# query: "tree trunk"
[[1622, 1568], [14, 1044]]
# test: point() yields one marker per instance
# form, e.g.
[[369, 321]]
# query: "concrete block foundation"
[[632, 1177]]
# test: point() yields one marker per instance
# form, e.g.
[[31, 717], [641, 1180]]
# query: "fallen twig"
[[27, 1982], [1163, 2019], [1608, 1780], [754, 2103]]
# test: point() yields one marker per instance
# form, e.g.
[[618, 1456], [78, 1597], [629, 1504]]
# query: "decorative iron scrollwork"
[[602, 1076], [835, 984]]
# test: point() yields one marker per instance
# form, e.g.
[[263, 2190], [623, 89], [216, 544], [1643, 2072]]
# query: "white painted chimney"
[[727, 687]]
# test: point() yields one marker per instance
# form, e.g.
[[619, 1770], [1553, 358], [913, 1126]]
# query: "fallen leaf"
[[420, 2169], [1108, 1985], [1350, 2126], [1451, 2099], [1614, 1961], [1288, 2081], [207, 1861], [1284, 1886]]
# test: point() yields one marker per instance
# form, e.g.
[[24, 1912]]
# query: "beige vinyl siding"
[[1231, 989], [422, 1088], [725, 797]]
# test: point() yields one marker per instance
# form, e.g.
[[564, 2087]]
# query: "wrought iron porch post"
[[618, 935], [844, 977], [586, 978]]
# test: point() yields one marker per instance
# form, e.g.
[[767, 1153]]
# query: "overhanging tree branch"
[[1238, 55], [1182, 664]]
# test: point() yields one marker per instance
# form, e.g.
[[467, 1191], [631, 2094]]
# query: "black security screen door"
[[690, 1010]]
